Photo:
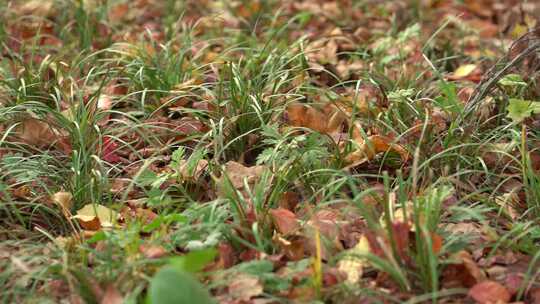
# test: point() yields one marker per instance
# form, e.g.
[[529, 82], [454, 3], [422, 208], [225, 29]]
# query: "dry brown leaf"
[[63, 199], [489, 292], [243, 287], [294, 249], [374, 145], [37, 132], [304, 116], [464, 272], [196, 173], [237, 173], [284, 220]]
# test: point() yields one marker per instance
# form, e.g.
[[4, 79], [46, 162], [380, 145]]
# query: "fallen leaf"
[[375, 144], [152, 251], [37, 132], [294, 248], [284, 220], [104, 102], [352, 263], [195, 173], [118, 11], [463, 272], [237, 173], [63, 199], [112, 296], [300, 115], [489, 292], [436, 242], [109, 151], [95, 216], [243, 287], [226, 257], [466, 72]]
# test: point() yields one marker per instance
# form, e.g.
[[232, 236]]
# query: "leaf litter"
[[312, 144]]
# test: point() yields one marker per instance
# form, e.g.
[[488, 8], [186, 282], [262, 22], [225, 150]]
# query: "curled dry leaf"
[[236, 172], [194, 174], [109, 151], [375, 144], [489, 292], [294, 248], [243, 287], [95, 216], [63, 199], [464, 272], [284, 220], [352, 263], [36, 132], [328, 120]]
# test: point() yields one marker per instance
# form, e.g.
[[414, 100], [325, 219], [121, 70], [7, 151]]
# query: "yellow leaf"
[[352, 263], [95, 216], [464, 71]]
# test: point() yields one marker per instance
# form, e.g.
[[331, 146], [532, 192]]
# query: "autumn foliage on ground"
[[269, 151]]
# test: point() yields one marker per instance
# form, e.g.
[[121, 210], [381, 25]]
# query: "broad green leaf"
[[519, 109], [172, 286], [194, 261]]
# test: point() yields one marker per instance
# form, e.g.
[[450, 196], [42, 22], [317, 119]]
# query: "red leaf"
[[489, 292], [284, 220], [108, 151]]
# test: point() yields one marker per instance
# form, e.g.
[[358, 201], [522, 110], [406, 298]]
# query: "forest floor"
[[269, 151]]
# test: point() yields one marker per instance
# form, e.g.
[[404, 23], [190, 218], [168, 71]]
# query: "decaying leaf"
[[195, 173], [328, 120], [63, 199], [464, 272], [293, 248], [489, 292], [243, 287], [95, 216], [284, 220], [375, 144], [352, 263], [37, 132], [237, 173]]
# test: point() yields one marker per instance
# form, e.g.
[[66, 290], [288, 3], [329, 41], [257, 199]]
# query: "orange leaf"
[[436, 243], [374, 145]]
